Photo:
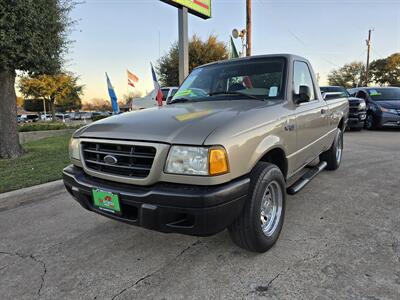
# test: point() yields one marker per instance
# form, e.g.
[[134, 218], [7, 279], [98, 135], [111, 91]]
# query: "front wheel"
[[333, 156], [260, 223], [370, 122]]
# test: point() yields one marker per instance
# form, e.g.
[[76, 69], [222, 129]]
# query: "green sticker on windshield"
[[183, 93], [374, 93]]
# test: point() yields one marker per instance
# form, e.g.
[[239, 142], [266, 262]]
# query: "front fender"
[[268, 144]]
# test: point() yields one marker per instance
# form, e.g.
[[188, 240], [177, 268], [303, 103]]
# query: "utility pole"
[[183, 44], [368, 55], [248, 26]]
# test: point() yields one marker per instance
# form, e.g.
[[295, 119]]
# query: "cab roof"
[[289, 57]]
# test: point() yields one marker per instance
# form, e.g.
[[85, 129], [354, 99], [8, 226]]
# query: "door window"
[[302, 76]]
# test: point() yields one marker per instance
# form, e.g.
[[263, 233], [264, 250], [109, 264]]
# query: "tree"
[[131, 95], [72, 101], [200, 53], [33, 38], [386, 71], [350, 75], [20, 102], [97, 104], [60, 89]]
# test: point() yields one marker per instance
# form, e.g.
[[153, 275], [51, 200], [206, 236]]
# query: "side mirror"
[[304, 94]]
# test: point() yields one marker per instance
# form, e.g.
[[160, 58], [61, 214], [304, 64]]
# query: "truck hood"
[[184, 123], [355, 102]]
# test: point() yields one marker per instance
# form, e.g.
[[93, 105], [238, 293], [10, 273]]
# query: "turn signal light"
[[218, 160]]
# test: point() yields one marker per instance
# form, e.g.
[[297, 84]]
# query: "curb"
[[31, 194]]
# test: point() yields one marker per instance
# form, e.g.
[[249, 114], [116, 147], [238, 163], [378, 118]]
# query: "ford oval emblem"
[[110, 160]]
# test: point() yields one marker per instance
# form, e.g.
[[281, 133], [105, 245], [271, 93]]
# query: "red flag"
[[132, 78], [157, 88]]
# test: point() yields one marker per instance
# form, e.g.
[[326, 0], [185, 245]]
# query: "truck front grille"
[[126, 160]]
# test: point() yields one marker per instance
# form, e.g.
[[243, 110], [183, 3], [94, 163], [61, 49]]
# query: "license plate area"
[[106, 201]]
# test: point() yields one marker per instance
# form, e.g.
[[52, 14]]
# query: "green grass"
[[42, 162]]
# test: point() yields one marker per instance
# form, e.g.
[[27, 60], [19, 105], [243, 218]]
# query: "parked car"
[[149, 100], [383, 105], [62, 117], [29, 118], [46, 117], [168, 93], [357, 110], [235, 137]]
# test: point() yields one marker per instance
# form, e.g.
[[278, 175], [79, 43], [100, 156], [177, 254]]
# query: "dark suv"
[[357, 111], [383, 105]]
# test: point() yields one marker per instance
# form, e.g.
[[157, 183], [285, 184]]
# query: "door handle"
[[324, 111]]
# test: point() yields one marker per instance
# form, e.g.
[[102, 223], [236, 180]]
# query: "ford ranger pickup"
[[237, 137]]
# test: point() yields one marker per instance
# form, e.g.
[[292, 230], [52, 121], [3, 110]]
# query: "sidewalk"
[[31, 194]]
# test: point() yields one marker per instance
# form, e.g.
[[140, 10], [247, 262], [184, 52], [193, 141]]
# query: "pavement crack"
[[262, 290], [32, 257], [157, 270], [42, 276], [273, 279]]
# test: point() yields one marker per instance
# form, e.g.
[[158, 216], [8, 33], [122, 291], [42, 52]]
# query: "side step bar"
[[306, 178]]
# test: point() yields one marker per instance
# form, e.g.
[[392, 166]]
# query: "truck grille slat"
[[133, 154], [118, 166], [131, 160]]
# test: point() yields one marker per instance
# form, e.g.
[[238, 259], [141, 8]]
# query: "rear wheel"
[[333, 156], [260, 223]]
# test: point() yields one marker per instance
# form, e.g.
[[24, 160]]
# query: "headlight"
[[201, 161], [362, 105], [389, 110], [74, 149]]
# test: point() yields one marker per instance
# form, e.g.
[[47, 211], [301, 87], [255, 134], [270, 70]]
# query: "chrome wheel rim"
[[339, 148], [271, 208]]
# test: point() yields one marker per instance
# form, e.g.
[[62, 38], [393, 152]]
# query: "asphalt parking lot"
[[341, 240]]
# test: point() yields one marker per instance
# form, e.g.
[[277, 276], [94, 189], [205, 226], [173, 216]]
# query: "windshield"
[[335, 89], [260, 78], [382, 94]]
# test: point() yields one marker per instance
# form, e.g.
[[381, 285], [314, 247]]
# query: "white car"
[[149, 100], [46, 117]]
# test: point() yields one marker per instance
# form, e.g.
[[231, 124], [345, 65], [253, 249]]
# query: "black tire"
[[333, 156], [247, 230], [370, 123]]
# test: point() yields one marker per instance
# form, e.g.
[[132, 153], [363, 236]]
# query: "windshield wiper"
[[235, 93], [179, 100]]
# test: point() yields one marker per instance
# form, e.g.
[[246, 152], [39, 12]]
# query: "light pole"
[[183, 43], [248, 27], [368, 56], [242, 34]]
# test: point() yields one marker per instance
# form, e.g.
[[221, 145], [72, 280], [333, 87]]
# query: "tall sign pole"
[[248, 27], [200, 8], [183, 43], [368, 55]]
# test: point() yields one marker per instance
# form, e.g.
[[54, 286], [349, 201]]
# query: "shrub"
[[40, 126], [97, 118]]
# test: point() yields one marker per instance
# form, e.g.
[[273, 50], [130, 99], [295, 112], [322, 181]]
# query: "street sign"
[[200, 8]]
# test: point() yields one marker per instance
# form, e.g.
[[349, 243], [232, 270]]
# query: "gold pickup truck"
[[237, 136]]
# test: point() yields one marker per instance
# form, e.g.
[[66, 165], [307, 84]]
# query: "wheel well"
[[277, 157], [341, 124]]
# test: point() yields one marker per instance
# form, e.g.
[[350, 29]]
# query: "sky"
[[115, 35]]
